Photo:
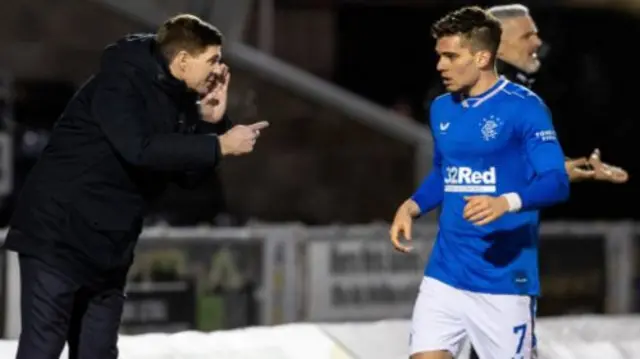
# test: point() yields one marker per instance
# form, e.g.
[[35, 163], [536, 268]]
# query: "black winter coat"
[[126, 134]]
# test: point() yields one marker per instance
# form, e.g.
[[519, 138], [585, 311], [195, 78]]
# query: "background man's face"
[[520, 43]]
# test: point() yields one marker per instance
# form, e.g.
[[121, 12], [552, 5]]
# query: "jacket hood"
[[140, 52]]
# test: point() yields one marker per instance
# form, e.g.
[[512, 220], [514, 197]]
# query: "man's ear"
[[181, 59], [483, 58]]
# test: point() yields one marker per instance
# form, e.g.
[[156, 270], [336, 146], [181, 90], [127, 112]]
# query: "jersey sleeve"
[[550, 184], [430, 193]]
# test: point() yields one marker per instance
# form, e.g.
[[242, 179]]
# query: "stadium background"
[[344, 85]]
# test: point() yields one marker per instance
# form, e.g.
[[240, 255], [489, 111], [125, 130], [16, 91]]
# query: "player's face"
[[199, 70], [520, 43], [457, 65]]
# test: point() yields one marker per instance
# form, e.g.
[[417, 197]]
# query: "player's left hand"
[[605, 172], [481, 210], [214, 105]]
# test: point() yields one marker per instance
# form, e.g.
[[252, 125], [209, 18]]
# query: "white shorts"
[[498, 326]]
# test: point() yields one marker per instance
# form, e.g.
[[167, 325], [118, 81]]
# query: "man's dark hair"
[[480, 28], [186, 32]]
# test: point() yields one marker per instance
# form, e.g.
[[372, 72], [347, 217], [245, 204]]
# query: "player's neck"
[[485, 82]]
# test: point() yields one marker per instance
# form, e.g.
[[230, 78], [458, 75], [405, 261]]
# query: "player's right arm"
[[430, 193], [427, 197], [118, 105]]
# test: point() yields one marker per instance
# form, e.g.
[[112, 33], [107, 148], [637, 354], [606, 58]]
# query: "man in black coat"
[[152, 114]]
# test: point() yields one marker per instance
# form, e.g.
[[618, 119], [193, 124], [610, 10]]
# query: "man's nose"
[[537, 42]]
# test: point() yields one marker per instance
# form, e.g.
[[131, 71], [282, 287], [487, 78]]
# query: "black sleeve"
[[225, 124], [118, 107], [193, 179]]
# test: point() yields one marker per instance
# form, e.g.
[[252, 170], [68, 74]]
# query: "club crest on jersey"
[[490, 127]]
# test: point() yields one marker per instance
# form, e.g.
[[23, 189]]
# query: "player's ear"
[[483, 59]]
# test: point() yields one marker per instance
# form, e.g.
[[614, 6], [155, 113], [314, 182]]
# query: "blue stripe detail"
[[532, 308]]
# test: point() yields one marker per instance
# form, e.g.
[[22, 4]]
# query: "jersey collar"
[[475, 101]]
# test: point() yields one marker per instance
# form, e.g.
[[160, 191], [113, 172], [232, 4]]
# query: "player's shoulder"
[[441, 103], [442, 99], [521, 95], [440, 108]]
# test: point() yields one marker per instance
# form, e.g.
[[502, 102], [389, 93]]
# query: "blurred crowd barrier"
[[209, 279]]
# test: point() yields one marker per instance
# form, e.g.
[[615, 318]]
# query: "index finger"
[[259, 125]]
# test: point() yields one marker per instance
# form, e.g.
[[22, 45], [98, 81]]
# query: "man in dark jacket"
[[152, 114]]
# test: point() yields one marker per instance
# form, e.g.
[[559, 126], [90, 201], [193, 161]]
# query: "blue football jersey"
[[500, 142]]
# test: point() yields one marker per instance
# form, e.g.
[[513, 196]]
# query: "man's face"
[[458, 66], [520, 43], [199, 70]]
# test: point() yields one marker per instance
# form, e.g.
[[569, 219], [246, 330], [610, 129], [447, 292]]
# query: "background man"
[[519, 61]]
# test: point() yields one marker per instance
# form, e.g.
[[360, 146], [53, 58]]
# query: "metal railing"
[[301, 273]]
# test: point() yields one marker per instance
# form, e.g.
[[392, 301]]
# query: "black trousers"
[[56, 310]]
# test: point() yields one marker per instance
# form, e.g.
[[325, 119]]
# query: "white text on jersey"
[[466, 180]]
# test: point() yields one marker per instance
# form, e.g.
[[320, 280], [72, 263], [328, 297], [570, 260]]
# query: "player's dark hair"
[[480, 28], [186, 32]]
